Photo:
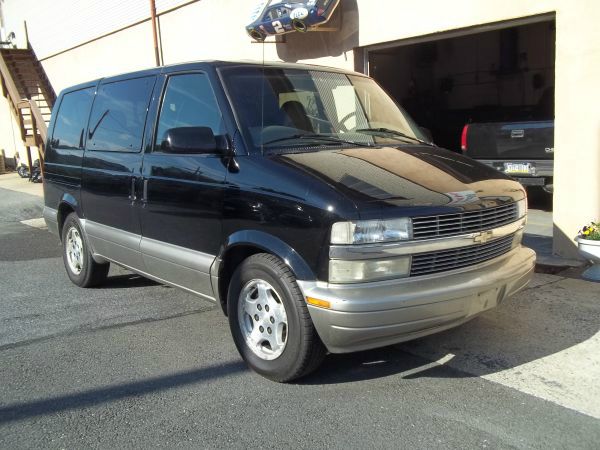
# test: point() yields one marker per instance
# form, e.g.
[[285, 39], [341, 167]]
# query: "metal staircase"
[[29, 94]]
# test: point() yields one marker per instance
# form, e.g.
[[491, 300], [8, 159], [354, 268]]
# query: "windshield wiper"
[[394, 133], [320, 137]]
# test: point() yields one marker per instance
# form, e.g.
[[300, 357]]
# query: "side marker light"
[[320, 303]]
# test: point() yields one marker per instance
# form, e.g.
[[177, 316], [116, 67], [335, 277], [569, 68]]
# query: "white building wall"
[[57, 25], [125, 51], [210, 29], [10, 136], [399, 19]]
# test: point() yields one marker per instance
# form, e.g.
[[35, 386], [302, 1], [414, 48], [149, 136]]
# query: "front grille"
[[467, 222], [442, 261]]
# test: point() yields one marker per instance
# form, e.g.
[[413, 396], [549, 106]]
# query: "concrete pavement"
[[545, 341], [13, 182]]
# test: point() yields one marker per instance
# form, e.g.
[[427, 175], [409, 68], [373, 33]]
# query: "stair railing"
[[39, 128], [13, 96]]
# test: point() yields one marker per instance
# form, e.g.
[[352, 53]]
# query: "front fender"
[[270, 244], [71, 201], [254, 240]]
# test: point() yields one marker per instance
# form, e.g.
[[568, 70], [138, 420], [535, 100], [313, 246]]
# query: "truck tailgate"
[[511, 140]]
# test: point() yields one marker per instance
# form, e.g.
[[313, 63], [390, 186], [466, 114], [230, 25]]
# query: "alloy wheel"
[[263, 319]]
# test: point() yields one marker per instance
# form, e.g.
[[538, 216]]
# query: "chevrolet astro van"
[[301, 199]]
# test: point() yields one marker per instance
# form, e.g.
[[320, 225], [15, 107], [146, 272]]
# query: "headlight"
[[341, 271], [522, 208], [371, 231]]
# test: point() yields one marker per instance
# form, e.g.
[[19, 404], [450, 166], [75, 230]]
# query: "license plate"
[[522, 168]]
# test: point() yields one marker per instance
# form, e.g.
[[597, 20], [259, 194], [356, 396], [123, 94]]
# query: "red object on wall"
[[463, 138]]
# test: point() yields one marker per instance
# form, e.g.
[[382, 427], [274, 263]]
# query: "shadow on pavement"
[[374, 364], [127, 281], [20, 411]]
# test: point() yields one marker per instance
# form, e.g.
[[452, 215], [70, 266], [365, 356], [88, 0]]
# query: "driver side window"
[[189, 101]]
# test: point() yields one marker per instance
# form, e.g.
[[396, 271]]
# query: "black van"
[[302, 199]]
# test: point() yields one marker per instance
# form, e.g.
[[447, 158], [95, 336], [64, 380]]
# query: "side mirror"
[[427, 133], [189, 140]]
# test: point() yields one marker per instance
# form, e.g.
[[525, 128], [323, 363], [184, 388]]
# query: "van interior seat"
[[295, 116]]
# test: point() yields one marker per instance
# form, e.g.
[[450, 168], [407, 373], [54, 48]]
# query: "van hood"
[[418, 180]]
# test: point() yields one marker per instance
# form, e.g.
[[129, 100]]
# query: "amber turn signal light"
[[317, 302]]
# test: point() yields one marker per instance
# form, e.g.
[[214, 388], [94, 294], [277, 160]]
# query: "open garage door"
[[493, 74]]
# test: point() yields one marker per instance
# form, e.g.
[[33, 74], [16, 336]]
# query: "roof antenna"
[[262, 101]]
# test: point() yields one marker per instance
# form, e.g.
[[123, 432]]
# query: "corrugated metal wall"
[[57, 25]]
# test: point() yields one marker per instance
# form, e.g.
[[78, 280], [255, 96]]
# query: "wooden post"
[[26, 34], [154, 31]]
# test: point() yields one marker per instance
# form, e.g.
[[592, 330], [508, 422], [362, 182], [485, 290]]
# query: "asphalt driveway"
[[137, 364]]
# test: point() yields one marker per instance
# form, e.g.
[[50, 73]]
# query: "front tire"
[[270, 322], [81, 267]]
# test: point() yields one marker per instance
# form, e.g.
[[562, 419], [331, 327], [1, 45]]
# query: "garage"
[[502, 72]]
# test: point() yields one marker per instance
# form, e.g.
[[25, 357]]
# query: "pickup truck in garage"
[[523, 150]]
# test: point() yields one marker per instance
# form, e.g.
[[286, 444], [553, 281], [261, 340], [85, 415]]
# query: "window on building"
[[189, 102], [119, 115], [73, 113]]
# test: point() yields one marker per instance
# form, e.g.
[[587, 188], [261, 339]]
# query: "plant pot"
[[590, 250]]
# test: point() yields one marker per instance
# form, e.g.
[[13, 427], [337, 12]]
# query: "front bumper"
[[370, 315]]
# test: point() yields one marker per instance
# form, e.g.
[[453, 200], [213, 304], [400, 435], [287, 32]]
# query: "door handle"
[[132, 194], [145, 191]]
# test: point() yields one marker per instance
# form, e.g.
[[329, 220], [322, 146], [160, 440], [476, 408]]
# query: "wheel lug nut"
[[259, 308], [269, 330], [272, 319], [262, 329], [256, 317], [267, 308]]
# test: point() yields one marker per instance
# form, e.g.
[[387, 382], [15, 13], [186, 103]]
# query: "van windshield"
[[283, 110]]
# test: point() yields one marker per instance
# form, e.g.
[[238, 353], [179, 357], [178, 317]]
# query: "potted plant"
[[588, 241]]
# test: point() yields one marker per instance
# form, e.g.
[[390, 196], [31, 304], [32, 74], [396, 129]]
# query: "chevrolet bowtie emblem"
[[483, 237]]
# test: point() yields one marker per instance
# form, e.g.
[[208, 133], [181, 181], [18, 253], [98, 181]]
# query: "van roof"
[[210, 63]]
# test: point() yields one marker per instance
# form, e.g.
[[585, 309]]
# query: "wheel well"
[[232, 259], [63, 211]]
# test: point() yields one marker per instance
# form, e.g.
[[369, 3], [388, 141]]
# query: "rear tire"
[[81, 267], [270, 322]]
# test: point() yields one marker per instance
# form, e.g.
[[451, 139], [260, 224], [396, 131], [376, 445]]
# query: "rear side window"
[[73, 113], [189, 101], [119, 115]]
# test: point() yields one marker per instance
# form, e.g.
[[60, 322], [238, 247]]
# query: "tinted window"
[[189, 102], [119, 115], [73, 113]]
